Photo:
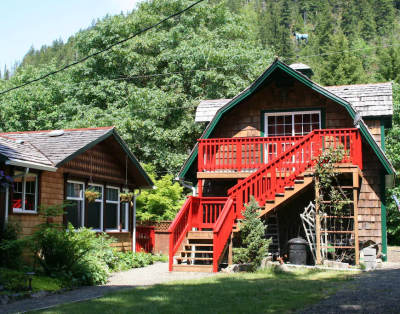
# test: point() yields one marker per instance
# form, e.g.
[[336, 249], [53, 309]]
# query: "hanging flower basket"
[[126, 197], [91, 195], [5, 182]]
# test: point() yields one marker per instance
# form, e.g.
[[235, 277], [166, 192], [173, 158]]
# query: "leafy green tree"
[[155, 111], [255, 245], [162, 203]]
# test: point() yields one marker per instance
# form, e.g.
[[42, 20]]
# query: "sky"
[[24, 23]]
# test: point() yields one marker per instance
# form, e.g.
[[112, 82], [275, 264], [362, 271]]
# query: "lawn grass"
[[260, 292]]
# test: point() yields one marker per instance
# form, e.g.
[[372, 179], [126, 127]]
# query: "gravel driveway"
[[374, 292], [150, 275]]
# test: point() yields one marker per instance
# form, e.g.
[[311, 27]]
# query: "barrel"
[[297, 251]]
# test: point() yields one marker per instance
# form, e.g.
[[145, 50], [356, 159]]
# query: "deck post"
[[355, 207], [200, 188], [230, 248], [317, 225]]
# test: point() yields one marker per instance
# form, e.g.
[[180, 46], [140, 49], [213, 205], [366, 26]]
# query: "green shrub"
[[255, 245], [81, 256], [11, 248], [18, 281]]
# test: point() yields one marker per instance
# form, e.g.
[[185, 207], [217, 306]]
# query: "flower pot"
[[126, 197], [91, 196]]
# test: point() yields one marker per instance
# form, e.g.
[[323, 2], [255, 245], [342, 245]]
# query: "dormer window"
[[292, 123]]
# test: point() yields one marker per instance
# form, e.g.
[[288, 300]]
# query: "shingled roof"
[[370, 100], [41, 150], [15, 150], [59, 148]]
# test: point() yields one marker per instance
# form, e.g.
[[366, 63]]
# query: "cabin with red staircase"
[[263, 143]]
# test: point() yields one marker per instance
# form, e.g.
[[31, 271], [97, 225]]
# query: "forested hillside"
[[149, 86]]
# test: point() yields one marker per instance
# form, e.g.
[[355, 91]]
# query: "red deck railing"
[[241, 154], [283, 170]]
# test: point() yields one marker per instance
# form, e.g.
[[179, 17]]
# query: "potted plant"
[[5, 182], [91, 195], [126, 197]]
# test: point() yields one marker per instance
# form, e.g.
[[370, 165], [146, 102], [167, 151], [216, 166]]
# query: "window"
[[292, 123], [95, 210], [75, 213], [112, 208], [25, 193]]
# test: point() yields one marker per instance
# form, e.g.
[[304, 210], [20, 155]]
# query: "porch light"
[[30, 277]]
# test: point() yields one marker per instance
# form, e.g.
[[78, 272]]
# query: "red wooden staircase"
[[213, 219]]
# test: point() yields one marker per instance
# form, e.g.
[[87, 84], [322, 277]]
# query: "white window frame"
[[82, 198], [118, 208], [22, 209], [101, 206], [292, 113], [126, 209]]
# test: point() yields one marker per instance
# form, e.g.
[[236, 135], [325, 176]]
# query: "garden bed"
[[14, 284]]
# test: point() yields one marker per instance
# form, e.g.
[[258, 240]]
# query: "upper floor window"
[[292, 123], [25, 193]]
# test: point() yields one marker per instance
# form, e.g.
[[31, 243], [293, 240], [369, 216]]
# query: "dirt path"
[[374, 292], [147, 276]]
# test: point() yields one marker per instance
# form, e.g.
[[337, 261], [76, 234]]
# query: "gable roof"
[[38, 149], [370, 100], [257, 85]]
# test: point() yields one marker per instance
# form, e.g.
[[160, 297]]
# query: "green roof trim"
[[125, 147], [303, 79]]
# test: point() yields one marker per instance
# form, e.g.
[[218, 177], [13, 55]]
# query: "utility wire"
[[81, 116], [101, 51], [189, 71]]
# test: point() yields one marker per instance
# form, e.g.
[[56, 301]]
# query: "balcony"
[[247, 155]]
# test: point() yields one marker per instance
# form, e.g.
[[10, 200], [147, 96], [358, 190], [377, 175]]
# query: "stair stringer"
[[288, 194]]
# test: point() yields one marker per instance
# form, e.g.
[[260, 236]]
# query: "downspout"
[[181, 180], [134, 221], [23, 174]]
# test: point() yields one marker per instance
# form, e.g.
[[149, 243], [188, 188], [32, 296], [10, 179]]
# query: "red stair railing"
[[196, 212], [241, 154], [222, 231], [284, 169]]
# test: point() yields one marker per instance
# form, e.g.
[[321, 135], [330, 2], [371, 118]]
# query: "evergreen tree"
[[384, 15], [343, 68], [367, 24], [255, 245]]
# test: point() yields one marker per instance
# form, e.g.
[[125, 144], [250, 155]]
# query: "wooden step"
[[200, 252], [200, 235], [199, 244], [194, 258], [193, 268]]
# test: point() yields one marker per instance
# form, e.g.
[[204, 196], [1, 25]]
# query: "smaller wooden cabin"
[[50, 167]]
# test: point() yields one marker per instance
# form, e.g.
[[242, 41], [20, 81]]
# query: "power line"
[[101, 51], [62, 117], [189, 71]]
